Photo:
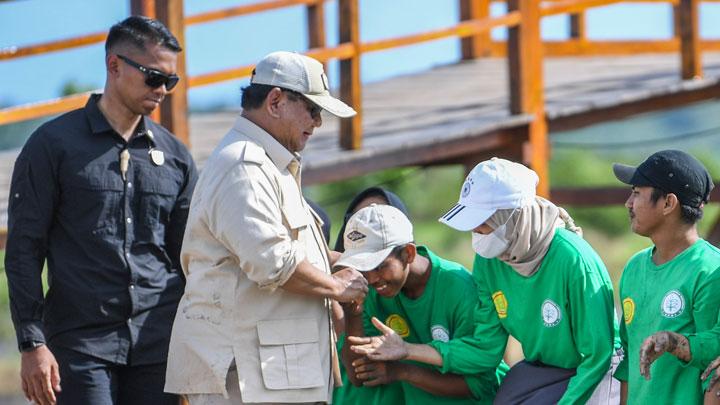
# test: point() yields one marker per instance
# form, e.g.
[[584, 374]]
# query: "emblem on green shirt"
[[628, 310], [439, 332], [551, 314], [501, 304], [673, 304], [398, 324]]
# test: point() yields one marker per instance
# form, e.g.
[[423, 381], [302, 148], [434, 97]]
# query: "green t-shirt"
[[444, 311], [680, 296], [563, 315]]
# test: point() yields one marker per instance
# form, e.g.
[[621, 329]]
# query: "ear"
[[273, 101], [112, 63], [409, 252], [671, 203]]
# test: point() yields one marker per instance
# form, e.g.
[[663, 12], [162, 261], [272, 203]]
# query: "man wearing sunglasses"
[[254, 324], [102, 194]]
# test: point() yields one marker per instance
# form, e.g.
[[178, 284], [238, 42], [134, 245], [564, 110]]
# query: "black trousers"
[[85, 379]]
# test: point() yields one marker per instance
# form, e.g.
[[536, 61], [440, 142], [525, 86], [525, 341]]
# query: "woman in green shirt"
[[538, 281]]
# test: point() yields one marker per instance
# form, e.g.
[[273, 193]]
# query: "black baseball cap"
[[671, 171]]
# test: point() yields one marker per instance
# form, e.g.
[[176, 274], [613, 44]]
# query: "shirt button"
[[129, 321], [132, 286], [127, 254], [129, 220], [129, 184]]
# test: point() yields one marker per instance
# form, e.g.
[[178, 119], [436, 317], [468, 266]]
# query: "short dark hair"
[[139, 31], [689, 214], [254, 95]]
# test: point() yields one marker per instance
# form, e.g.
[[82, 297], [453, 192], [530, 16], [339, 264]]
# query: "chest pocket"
[[295, 215], [155, 195], [290, 354], [93, 196]]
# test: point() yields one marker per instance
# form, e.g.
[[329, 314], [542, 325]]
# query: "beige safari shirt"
[[248, 228]]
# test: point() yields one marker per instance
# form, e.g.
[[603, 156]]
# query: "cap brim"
[[363, 261], [331, 105], [465, 218], [624, 173]]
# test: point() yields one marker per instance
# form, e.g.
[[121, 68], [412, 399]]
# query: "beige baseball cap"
[[371, 234], [303, 74]]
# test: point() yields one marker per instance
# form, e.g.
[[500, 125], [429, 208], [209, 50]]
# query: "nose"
[[629, 202]]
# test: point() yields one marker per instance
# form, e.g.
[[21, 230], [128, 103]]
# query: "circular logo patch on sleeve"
[[398, 324], [628, 310], [501, 304], [440, 333], [673, 304], [551, 314]]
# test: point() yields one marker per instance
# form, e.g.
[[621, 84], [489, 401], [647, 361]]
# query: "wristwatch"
[[30, 345]]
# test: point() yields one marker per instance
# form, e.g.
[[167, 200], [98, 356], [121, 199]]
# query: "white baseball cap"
[[303, 74], [492, 185], [371, 234]]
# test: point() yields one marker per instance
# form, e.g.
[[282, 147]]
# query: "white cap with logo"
[[303, 74], [371, 234], [492, 185]]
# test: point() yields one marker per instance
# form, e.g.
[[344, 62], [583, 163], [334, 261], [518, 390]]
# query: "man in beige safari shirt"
[[254, 323]]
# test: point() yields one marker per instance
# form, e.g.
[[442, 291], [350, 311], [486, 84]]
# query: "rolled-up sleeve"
[[245, 215]]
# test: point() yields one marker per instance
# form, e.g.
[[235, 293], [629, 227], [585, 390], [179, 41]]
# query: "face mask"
[[490, 245], [493, 244]]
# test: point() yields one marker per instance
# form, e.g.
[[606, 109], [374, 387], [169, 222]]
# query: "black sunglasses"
[[312, 108], [153, 78]]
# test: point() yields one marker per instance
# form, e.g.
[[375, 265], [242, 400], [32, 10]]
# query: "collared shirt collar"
[[99, 123], [277, 153]]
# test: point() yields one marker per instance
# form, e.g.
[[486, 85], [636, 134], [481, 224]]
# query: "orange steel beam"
[[246, 9]]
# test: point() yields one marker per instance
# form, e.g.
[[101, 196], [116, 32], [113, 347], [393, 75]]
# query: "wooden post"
[[316, 24], [143, 7], [690, 55], [350, 85], [577, 26], [146, 8], [478, 45], [526, 85], [174, 109], [714, 233]]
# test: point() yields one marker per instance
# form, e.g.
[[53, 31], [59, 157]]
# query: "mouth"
[[380, 287]]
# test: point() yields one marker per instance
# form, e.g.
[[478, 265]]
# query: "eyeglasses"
[[153, 78], [311, 107]]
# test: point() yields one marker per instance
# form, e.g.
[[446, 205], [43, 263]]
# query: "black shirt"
[[112, 245]]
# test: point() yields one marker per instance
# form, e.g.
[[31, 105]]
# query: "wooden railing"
[[524, 50]]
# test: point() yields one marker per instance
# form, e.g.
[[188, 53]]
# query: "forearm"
[[623, 392], [446, 385], [353, 327], [424, 354], [309, 280]]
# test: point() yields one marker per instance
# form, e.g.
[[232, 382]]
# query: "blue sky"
[[243, 40]]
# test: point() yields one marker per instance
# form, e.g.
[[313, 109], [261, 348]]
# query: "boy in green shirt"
[[670, 286], [421, 297]]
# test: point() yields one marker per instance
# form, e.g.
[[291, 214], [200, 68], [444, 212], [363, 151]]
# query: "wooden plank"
[[43, 108], [245, 10], [350, 84], [525, 70], [602, 196], [14, 52], [573, 6], [713, 235], [605, 48], [462, 30], [690, 57], [174, 109], [475, 46], [627, 109]]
